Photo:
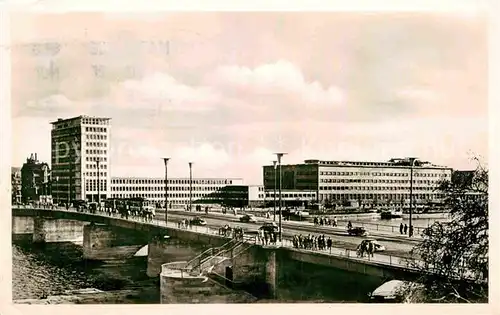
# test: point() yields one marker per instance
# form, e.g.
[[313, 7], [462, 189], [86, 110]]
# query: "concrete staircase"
[[208, 291], [206, 261], [194, 282]]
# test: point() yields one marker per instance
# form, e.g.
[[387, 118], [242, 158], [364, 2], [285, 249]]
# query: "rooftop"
[[61, 120], [170, 178], [394, 162]]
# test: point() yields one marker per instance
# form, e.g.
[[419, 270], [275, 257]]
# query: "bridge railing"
[[390, 260], [386, 228]]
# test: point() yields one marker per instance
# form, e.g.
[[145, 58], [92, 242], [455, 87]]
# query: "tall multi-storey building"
[[203, 189], [79, 146], [362, 183], [35, 178]]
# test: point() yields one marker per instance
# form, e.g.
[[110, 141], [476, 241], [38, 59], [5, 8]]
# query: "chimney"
[[36, 159]]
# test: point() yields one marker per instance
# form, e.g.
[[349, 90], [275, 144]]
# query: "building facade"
[[15, 180], [204, 190], [80, 158], [362, 183], [291, 197], [35, 179]]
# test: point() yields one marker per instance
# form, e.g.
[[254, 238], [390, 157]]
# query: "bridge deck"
[[377, 258]]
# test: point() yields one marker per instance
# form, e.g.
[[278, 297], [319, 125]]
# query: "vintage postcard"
[[208, 157]]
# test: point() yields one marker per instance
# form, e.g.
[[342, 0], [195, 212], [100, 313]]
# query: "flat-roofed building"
[[78, 144], [362, 182], [178, 189]]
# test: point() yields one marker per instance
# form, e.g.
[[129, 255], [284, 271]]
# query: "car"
[[270, 227], [357, 231], [198, 221], [82, 204], [397, 291], [248, 218], [378, 247]]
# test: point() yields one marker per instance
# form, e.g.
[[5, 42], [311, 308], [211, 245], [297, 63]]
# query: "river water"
[[51, 269]]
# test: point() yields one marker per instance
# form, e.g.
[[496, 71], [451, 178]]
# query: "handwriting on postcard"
[[48, 52]]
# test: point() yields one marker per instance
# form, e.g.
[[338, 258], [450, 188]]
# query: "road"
[[394, 245]]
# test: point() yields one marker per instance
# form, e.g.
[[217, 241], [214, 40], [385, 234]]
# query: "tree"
[[453, 256]]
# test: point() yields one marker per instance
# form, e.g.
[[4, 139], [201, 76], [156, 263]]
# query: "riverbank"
[[56, 273], [88, 296]]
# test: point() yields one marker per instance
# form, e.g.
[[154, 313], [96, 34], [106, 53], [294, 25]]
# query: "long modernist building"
[[362, 182], [178, 189]]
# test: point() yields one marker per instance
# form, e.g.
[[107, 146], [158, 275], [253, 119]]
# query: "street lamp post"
[[84, 189], [70, 170], [190, 185], [56, 179], [279, 155], [275, 177], [98, 185], [165, 161], [412, 163]]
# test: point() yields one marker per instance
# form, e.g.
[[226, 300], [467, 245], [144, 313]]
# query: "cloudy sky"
[[226, 90]]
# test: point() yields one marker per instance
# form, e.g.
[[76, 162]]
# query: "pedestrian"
[[410, 234], [371, 249], [405, 229], [401, 228], [349, 225], [361, 249]]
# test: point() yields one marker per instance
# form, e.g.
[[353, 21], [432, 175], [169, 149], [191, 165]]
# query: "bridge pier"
[[103, 242], [166, 249], [22, 228], [257, 270], [46, 230], [271, 274]]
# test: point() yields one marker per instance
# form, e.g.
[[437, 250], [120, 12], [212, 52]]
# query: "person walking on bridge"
[[401, 228], [329, 244], [405, 229]]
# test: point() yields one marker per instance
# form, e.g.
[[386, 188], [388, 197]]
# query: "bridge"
[[233, 262]]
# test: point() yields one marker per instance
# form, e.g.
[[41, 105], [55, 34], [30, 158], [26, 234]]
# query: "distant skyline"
[[227, 90]]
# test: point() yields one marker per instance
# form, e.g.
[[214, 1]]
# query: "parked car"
[[270, 227], [357, 231], [80, 204], [198, 221], [378, 247], [248, 218], [396, 291]]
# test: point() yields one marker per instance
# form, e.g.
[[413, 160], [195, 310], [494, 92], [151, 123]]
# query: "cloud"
[[57, 102], [163, 92], [282, 80]]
